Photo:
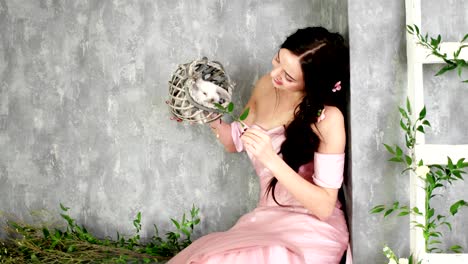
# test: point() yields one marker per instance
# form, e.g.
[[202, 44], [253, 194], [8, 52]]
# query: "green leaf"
[[388, 212], [186, 232], [410, 29], [399, 151], [58, 234], [459, 69], [175, 223], [45, 232], [416, 211], [402, 125], [63, 207], [456, 248], [433, 250], [396, 159], [430, 179], [460, 163], [446, 68], [403, 213], [421, 129], [417, 29], [377, 209], [426, 123], [464, 38], [389, 149], [244, 115], [456, 206], [408, 105], [408, 160], [420, 226], [448, 225], [183, 219], [230, 107], [146, 260], [457, 174], [435, 242], [68, 219], [71, 249], [422, 114], [403, 113], [220, 107], [430, 213], [450, 163]]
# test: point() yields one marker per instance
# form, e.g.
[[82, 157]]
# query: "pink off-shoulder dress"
[[273, 234]]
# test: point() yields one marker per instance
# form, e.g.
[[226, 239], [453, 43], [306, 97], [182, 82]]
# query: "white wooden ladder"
[[417, 56]]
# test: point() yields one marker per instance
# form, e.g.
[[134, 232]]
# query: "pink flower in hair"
[[337, 86]]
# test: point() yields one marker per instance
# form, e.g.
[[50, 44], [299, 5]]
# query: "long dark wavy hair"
[[324, 58]]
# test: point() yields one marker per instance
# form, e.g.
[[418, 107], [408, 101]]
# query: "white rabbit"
[[207, 93]]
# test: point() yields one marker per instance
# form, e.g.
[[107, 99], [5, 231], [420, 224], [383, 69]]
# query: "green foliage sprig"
[[33, 244], [433, 44], [229, 110], [388, 252], [434, 177]]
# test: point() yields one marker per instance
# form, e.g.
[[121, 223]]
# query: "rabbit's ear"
[[223, 94]]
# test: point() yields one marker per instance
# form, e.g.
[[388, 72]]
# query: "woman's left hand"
[[258, 144]]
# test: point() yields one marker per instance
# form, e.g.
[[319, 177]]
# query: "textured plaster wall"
[[378, 79], [82, 114]]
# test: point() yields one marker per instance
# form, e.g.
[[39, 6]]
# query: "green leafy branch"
[[175, 240], [438, 177], [433, 44], [75, 244], [388, 252], [410, 131], [434, 177], [229, 110]]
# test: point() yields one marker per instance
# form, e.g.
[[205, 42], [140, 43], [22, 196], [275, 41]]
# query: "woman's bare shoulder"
[[331, 130], [333, 117], [258, 92], [263, 84]]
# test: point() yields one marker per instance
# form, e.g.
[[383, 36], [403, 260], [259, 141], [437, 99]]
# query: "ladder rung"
[[424, 56], [437, 154], [439, 258]]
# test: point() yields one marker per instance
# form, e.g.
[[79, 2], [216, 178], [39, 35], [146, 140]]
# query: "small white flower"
[[392, 261], [403, 261], [422, 171]]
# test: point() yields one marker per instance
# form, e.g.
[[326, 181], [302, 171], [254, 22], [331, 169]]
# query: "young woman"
[[295, 136]]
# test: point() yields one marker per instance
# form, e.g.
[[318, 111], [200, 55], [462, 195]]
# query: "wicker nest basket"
[[188, 101]]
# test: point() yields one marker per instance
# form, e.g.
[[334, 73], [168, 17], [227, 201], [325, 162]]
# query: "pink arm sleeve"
[[236, 131], [328, 170]]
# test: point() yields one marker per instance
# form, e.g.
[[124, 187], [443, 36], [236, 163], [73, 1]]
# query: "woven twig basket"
[[182, 102]]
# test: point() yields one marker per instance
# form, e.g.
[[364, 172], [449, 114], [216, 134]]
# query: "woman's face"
[[287, 72]]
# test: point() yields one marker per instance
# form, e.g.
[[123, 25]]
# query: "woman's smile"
[[277, 82]]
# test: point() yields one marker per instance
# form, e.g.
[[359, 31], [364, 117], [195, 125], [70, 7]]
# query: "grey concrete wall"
[[378, 79], [82, 114]]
